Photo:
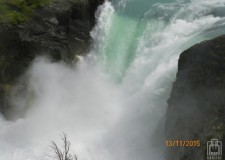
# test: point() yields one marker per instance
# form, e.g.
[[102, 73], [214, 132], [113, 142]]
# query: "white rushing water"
[[112, 103]]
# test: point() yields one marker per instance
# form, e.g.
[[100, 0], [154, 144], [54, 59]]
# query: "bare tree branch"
[[64, 153]]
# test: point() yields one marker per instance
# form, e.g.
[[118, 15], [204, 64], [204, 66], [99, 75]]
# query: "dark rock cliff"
[[197, 104], [59, 31]]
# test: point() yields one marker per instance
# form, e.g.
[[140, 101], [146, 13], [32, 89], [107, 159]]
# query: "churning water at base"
[[112, 103]]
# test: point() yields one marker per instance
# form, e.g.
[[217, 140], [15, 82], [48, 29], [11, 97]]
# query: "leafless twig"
[[64, 153]]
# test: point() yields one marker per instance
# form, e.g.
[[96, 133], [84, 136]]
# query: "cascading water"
[[112, 103]]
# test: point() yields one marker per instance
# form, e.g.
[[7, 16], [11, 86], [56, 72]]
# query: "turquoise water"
[[133, 20]]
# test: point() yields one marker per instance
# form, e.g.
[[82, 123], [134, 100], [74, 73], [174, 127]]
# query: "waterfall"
[[112, 103]]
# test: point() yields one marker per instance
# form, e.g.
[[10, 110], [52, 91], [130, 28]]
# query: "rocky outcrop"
[[197, 104], [59, 31]]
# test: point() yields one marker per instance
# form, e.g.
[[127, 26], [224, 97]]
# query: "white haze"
[[105, 120]]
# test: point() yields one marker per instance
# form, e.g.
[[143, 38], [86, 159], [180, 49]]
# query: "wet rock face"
[[59, 31], [197, 103]]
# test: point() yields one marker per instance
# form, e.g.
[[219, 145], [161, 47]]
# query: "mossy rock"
[[19, 11], [6, 87], [197, 98]]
